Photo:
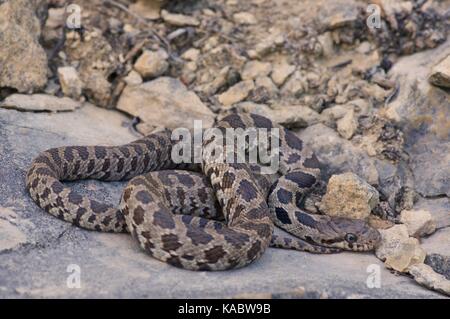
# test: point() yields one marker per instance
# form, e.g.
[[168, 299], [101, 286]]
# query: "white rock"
[[281, 72], [349, 196], [179, 20], [347, 125], [152, 63], [70, 82], [419, 222], [254, 69], [244, 18], [236, 93]]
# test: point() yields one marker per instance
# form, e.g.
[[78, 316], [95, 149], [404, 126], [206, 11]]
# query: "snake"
[[198, 215]]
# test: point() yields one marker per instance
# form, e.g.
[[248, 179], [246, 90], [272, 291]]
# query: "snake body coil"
[[209, 216]]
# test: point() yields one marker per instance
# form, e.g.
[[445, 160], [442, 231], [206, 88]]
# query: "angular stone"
[[152, 63], [281, 72], [172, 104], [347, 125], [254, 69], [391, 239], [23, 62], [419, 222], [236, 93], [349, 196], [408, 253], [71, 84]]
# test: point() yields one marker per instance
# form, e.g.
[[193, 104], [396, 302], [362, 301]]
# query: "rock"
[[327, 44], [39, 102], [408, 253], [340, 16], [424, 275], [439, 263], [339, 155], [421, 111], [152, 64], [391, 239], [440, 74], [11, 237], [281, 72], [398, 250], [419, 222], [438, 208], [216, 84], [244, 18], [113, 265], [55, 18], [172, 105], [295, 116], [148, 9], [292, 116], [191, 54], [188, 74], [97, 62], [236, 93], [438, 243], [23, 62], [331, 114], [133, 78], [254, 69], [295, 85], [347, 125], [71, 84], [266, 83], [349, 196], [266, 46], [179, 20]]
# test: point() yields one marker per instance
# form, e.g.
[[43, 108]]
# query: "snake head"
[[348, 234]]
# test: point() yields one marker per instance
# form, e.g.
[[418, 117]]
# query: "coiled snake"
[[209, 216]]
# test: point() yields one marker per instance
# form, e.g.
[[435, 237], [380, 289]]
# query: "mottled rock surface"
[[349, 196], [425, 276], [23, 62], [112, 265]]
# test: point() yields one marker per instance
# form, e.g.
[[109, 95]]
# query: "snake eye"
[[351, 238]]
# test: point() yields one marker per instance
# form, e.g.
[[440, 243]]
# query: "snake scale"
[[207, 216]]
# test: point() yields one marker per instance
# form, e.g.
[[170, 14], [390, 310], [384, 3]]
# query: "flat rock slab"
[[35, 263]]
